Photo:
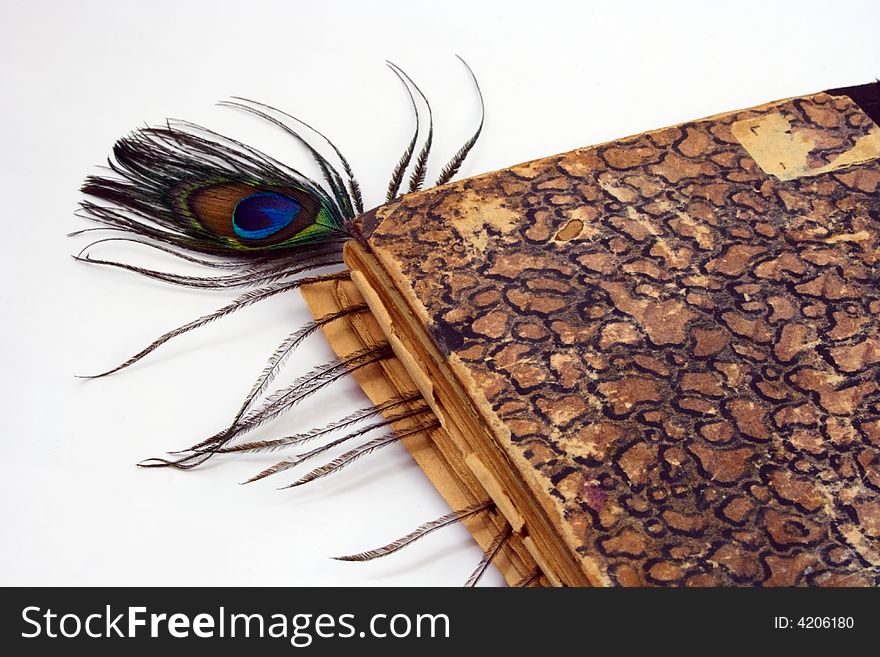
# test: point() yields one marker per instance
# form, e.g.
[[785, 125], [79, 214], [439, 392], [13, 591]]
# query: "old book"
[[657, 356]]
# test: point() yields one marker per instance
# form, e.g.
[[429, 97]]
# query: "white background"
[[77, 75]]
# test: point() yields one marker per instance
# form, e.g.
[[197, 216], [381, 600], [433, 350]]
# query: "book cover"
[[657, 356]]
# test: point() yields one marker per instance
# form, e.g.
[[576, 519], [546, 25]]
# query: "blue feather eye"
[[246, 217], [263, 214]]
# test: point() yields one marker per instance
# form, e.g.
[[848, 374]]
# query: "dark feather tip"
[[165, 463]]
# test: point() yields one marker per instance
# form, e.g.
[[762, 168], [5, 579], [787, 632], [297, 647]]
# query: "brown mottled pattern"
[[685, 349]]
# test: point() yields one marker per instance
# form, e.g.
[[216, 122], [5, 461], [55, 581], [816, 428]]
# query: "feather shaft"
[[244, 300], [488, 556], [405, 159], [277, 404], [294, 461], [420, 532], [296, 439], [357, 453], [458, 159]]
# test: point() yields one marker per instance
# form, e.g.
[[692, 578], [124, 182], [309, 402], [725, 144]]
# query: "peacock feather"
[[185, 189], [192, 190], [217, 202]]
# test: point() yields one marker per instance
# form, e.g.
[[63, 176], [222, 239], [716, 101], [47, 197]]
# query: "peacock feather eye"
[[263, 214], [245, 216]]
